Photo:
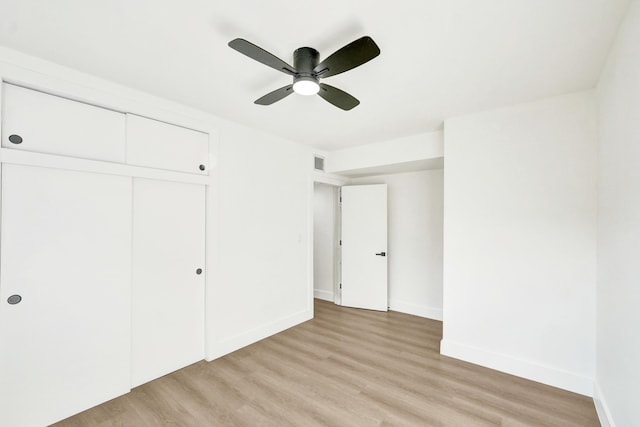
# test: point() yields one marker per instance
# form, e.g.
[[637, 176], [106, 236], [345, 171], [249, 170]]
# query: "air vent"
[[318, 163]]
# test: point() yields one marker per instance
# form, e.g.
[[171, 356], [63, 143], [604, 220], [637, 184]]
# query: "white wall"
[[325, 201], [519, 240], [617, 390], [415, 149], [414, 240], [262, 283]]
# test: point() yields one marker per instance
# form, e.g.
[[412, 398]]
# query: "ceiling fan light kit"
[[306, 86], [307, 70]]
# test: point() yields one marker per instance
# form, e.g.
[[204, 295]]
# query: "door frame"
[[336, 181]]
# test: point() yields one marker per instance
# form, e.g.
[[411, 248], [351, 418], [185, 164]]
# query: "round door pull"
[[199, 271], [15, 139], [202, 167], [14, 299]]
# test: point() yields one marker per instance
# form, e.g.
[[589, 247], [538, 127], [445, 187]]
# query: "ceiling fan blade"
[[261, 55], [337, 97], [350, 56], [275, 96]]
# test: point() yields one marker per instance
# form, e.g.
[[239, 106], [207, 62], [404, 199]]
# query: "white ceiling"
[[439, 58]]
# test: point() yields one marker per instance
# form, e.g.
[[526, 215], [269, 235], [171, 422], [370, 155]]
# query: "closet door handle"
[[14, 299], [15, 139], [382, 254]]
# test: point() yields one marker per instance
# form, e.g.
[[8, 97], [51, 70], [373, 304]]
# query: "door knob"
[[382, 254], [199, 271]]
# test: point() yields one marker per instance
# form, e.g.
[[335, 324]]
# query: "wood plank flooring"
[[346, 367]]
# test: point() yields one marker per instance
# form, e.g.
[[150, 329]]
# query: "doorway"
[[326, 242]]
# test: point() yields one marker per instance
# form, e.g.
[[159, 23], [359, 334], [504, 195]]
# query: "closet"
[[102, 253]]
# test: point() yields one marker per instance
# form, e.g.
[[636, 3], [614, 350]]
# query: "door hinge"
[[340, 285], [340, 242]]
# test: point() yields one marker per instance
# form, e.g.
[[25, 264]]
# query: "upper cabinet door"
[[160, 145], [35, 121]]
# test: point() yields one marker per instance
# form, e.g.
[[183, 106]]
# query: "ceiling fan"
[[307, 71]]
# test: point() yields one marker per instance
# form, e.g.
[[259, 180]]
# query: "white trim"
[[521, 368], [212, 251], [604, 414], [28, 158], [335, 180], [421, 310], [331, 179], [310, 235], [246, 338], [323, 295]]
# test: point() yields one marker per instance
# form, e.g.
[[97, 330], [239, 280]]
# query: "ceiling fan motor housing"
[[305, 60]]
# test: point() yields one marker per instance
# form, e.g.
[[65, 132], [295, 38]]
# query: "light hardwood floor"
[[346, 367]]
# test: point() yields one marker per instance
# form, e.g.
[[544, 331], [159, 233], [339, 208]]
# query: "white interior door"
[[66, 252], [364, 246], [168, 277]]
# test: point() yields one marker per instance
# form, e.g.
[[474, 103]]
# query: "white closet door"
[[161, 145], [66, 251], [36, 121], [168, 277]]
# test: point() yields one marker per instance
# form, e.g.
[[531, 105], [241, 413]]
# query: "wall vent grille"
[[318, 163]]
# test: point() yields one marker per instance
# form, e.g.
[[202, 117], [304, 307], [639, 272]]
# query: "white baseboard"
[[229, 345], [604, 414], [416, 309], [521, 368], [324, 295]]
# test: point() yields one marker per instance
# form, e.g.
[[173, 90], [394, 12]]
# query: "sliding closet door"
[[65, 272], [168, 277]]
